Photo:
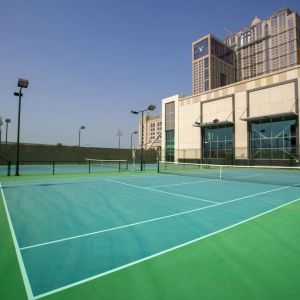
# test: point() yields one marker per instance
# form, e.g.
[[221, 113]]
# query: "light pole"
[[81, 127], [150, 107], [22, 83], [7, 121], [135, 132], [119, 134]]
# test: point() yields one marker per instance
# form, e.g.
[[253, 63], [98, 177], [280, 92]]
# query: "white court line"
[[160, 253], [18, 252], [159, 191], [147, 221], [183, 183]]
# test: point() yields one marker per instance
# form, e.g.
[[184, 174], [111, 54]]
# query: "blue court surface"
[[69, 231]]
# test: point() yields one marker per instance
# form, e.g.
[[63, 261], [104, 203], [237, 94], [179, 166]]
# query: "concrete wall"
[[33, 152]]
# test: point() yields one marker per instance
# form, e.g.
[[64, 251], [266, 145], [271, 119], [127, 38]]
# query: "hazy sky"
[[90, 62]]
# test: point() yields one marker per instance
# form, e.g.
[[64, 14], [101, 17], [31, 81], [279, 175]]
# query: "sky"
[[90, 62]]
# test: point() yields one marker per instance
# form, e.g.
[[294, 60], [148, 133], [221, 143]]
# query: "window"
[[217, 142], [266, 30], [206, 75], [290, 23], [274, 25], [221, 51], [273, 138], [222, 79], [258, 30], [281, 19], [170, 145], [292, 58], [267, 56], [170, 115], [291, 34]]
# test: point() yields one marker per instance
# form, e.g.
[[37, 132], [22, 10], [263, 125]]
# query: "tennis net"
[[107, 164], [285, 176]]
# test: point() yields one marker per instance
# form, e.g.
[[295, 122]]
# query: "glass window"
[[267, 56], [290, 22], [217, 142], [273, 138], [222, 79], [266, 30], [281, 19], [221, 51], [206, 63], [170, 145], [206, 85], [258, 30], [170, 115]]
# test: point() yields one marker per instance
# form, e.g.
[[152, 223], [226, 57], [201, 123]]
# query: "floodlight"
[[134, 112], [23, 83], [151, 107]]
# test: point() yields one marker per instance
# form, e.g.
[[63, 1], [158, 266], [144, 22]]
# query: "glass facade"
[[221, 51], [170, 130], [273, 138], [170, 145], [217, 142]]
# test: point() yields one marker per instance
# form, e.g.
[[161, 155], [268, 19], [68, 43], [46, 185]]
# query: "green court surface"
[[148, 236]]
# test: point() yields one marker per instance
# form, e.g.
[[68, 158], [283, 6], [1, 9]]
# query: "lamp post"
[[81, 127], [135, 132], [7, 121], [150, 107], [22, 83], [119, 134]]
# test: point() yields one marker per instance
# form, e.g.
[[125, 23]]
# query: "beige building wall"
[[265, 96], [267, 45]]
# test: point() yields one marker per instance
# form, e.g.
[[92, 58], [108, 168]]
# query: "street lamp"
[[150, 107], [22, 83], [7, 121], [81, 127], [135, 132], [119, 134]]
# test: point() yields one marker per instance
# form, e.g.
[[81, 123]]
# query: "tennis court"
[[70, 231]]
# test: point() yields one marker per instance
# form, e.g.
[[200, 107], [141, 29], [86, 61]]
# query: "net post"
[[89, 167], [119, 166], [53, 168], [158, 166], [8, 168]]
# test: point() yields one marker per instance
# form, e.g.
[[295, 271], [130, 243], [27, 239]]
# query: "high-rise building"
[[213, 64], [267, 45], [245, 103], [152, 132]]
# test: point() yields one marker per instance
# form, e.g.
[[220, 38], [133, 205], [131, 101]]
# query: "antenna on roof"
[[228, 30]]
